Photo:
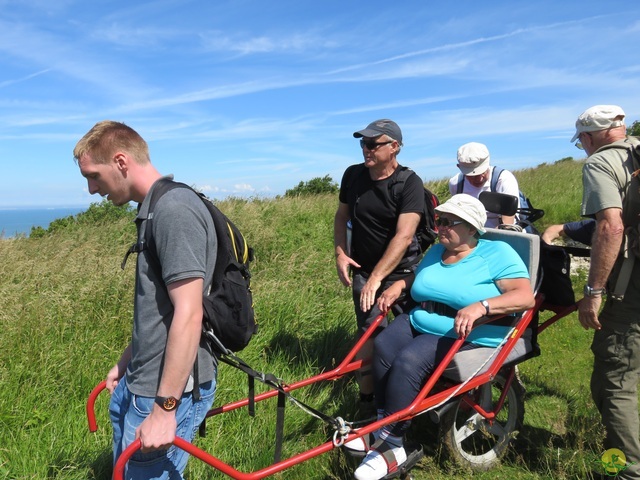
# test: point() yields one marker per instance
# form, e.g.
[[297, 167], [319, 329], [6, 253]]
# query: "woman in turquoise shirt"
[[460, 279]]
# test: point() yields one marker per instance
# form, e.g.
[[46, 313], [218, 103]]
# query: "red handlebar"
[[91, 411]]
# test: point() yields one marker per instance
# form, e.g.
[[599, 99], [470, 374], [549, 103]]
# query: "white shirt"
[[507, 183]]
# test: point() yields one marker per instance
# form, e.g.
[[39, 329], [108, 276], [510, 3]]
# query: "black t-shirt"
[[374, 207], [581, 231]]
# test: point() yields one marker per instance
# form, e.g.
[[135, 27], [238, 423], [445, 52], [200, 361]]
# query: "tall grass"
[[556, 188], [65, 316]]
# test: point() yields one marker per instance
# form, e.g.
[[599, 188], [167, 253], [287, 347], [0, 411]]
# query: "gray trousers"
[[365, 319]]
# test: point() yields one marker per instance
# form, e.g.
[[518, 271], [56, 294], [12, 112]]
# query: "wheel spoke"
[[470, 427], [497, 429]]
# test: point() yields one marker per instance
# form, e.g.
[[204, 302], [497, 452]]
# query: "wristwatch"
[[168, 404], [485, 304], [593, 292]]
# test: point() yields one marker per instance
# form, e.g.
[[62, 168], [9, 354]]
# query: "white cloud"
[[296, 43], [243, 187]]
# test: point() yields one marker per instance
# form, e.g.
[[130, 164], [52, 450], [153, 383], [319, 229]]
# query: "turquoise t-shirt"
[[460, 284]]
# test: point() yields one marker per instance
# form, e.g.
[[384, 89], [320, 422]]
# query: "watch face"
[[169, 403]]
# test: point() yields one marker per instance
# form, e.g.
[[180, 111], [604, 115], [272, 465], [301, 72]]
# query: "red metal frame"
[[421, 403]]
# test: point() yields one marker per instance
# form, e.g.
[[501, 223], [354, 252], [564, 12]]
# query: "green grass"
[[65, 316], [556, 188]]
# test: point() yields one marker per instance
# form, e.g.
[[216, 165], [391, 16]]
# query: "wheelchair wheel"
[[470, 439]]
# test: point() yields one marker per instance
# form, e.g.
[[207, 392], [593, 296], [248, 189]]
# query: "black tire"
[[470, 440]]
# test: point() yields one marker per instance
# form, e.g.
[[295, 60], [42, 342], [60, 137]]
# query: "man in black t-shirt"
[[384, 212]]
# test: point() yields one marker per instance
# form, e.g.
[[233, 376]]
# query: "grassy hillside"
[[65, 315]]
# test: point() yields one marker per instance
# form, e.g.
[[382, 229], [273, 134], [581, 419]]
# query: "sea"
[[19, 221]]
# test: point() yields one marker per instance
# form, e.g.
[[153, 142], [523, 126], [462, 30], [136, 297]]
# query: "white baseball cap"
[[466, 207], [473, 158], [599, 117]]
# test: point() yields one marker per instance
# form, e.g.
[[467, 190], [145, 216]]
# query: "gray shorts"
[[364, 319]]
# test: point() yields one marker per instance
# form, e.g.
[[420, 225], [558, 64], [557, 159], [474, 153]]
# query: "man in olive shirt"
[[607, 182]]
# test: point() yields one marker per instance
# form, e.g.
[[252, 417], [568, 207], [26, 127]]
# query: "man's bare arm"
[[405, 230], [158, 430], [605, 248], [343, 261]]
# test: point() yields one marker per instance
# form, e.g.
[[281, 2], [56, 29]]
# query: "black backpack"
[[228, 317], [427, 231]]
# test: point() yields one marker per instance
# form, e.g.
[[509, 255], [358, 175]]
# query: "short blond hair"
[[108, 137]]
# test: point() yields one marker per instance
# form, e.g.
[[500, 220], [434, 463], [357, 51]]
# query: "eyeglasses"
[[372, 144], [579, 144], [445, 222]]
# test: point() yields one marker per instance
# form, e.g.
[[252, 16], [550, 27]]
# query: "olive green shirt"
[[606, 177]]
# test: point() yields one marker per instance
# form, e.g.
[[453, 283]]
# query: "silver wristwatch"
[[485, 304], [593, 292]]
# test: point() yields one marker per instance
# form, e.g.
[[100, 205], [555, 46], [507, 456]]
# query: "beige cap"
[[600, 117], [466, 207], [473, 158]]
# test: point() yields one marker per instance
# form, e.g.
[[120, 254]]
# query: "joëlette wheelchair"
[[475, 396]]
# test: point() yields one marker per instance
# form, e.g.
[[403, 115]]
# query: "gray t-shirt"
[[186, 245]]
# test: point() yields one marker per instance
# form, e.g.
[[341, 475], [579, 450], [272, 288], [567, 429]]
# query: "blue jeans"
[[127, 412]]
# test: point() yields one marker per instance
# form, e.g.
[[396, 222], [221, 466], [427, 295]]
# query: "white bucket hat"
[[473, 158], [468, 208], [599, 117]]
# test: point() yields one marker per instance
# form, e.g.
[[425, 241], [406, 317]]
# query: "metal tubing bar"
[[91, 405], [419, 405], [560, 312], [346, 366]]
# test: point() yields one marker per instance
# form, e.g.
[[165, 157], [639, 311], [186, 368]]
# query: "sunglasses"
[[445, 222], [372, 144]]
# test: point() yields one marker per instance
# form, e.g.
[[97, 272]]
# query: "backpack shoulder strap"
[[630, 207], [631, 144], [161, 187], [399, 177], [495, 176], [145, 241], [402, 174], [460, 183]]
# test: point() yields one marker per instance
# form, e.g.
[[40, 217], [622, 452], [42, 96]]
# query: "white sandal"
[[380, 462], [360, 445]]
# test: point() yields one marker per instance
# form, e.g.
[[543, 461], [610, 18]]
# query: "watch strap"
[[594, 292]]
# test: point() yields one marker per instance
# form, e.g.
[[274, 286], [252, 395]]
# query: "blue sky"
[[248, 98]]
